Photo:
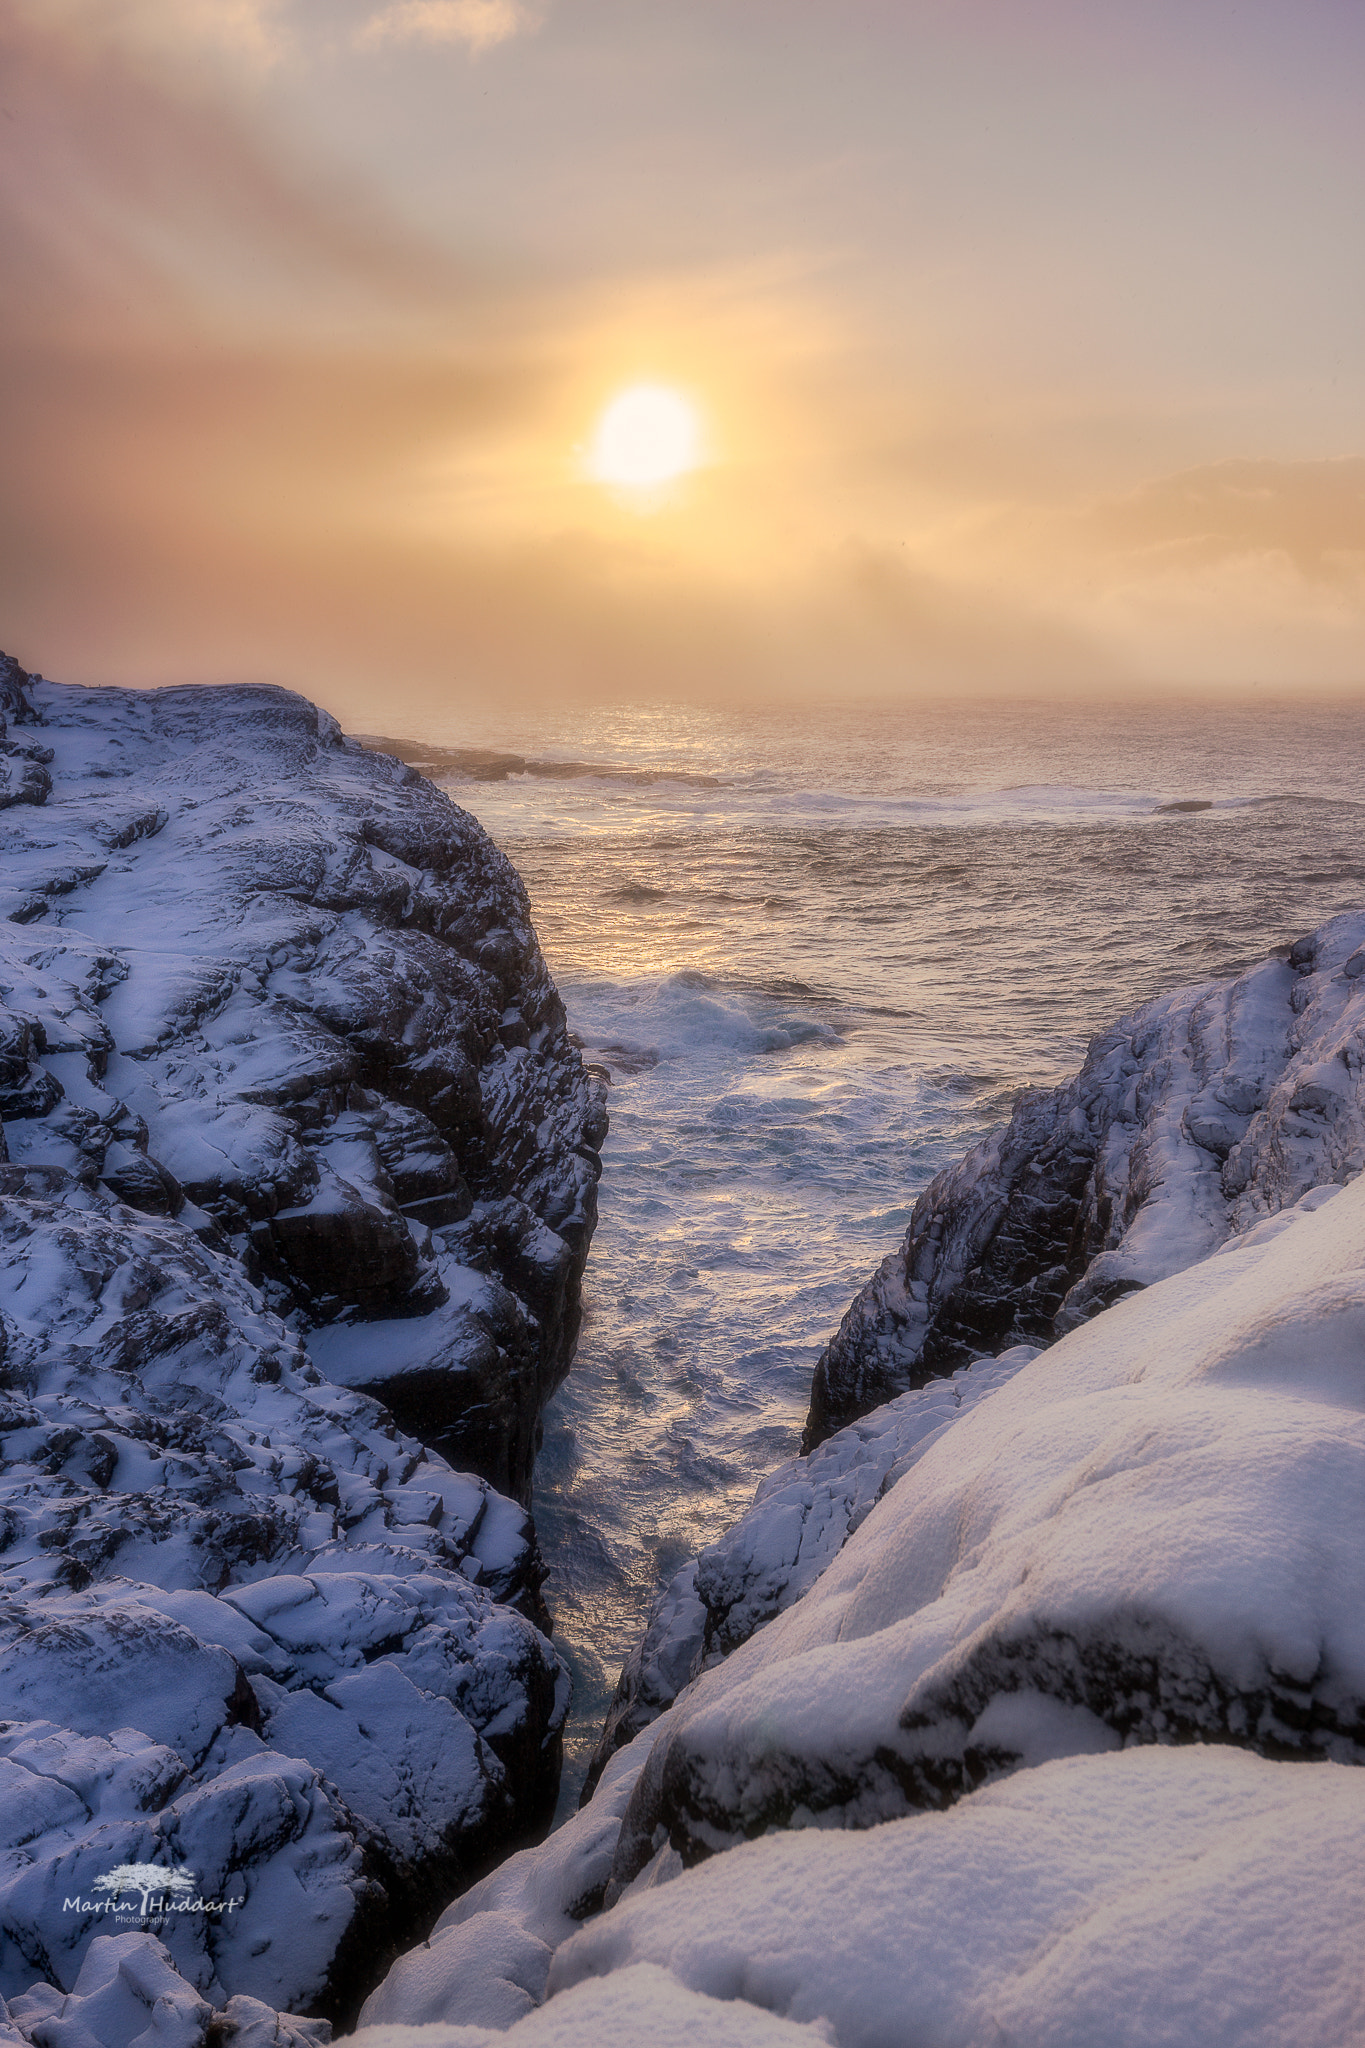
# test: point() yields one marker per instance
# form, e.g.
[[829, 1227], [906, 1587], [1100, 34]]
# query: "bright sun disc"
[[646, 436]]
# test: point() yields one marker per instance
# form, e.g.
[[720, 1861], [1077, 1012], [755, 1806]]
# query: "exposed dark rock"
[[1200, 1112]]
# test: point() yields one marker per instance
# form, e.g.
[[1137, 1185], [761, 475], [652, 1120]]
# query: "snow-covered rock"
[[1155, 1531], [280, 1066], [802, 1515], [1189, 1119], [637, 2005], [1193, 1897], [488, 1956], [1061, 1747], [253, 967], [129, 1994]]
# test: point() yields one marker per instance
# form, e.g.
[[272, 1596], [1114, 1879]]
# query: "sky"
[[1025, 341]]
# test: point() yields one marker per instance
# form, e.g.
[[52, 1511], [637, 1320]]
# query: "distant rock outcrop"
[[1189, 1119], [281, 1071]]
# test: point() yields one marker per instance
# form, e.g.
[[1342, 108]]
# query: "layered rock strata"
[[281, 1072], [1189, 1119]]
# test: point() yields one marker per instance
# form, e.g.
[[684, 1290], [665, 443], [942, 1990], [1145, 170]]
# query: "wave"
[[636, 892], [632, 1026]]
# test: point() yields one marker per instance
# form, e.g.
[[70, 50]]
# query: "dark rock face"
[[23, 763], [282, 1606], [1200, 1112], [281, 1072], [296, 988]]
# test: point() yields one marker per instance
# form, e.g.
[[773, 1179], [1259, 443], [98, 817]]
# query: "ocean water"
[[820, 953]]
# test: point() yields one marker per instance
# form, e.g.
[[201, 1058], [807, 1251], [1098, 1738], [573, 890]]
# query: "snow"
[[1060, 1747], [641, 2004], [802, 1515], [1158, 1525], [1201, 1112], [489, 1954], [1196, 1896]]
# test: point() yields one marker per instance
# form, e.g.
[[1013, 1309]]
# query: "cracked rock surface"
[[297, 1178]]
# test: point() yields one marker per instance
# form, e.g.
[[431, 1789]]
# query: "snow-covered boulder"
[[1062, 1746], [129, 1994], [280, 1066], [246, 1624], [1193, 1897], [1189, 1119], [488, 1956]]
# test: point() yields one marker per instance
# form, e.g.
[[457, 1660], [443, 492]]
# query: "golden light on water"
[[648, 435]]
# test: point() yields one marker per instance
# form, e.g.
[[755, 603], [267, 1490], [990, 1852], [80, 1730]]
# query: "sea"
[[820, 951]]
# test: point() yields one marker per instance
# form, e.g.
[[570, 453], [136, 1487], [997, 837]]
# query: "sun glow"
[[647, 436]]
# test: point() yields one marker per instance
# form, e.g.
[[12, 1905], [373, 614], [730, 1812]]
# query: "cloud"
[[1310, 513], [478, 24], [250, 29]]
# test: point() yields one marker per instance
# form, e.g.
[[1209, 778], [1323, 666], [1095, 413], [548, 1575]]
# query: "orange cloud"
[[478, 24]]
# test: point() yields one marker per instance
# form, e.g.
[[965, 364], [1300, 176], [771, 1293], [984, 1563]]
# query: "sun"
[[648, 435]]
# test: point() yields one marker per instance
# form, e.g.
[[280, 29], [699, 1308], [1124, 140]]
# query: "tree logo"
[[174, 1887]]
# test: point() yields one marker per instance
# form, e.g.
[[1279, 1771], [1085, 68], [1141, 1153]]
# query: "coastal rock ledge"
[[298, 1172]]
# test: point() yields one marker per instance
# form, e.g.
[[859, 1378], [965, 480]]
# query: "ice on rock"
[[254, 997], [1201, 1112]]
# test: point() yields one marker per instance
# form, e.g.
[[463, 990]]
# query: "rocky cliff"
[[868, 1776], [298, 1174], [1189, 1119]]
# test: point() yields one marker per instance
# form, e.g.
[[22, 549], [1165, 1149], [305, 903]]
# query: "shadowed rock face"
[[256, 968], [297, 1180], [1191, 1118]]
